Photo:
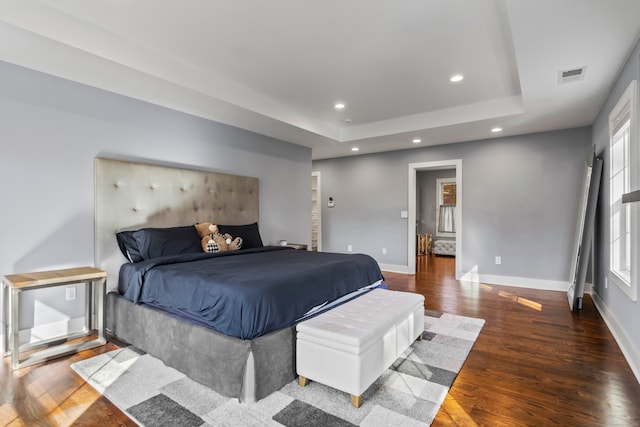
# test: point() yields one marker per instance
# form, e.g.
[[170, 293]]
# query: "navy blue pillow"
[[128, 246], [157, 242], [249, 233], [147, 243]]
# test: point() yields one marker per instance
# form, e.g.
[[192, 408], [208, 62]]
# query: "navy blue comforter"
[[246, 293]]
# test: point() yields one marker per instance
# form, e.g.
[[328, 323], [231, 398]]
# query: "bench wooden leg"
[[356, 401], [303, 381]]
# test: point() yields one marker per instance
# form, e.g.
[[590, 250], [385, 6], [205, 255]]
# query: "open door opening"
[[316, 212], [433, 211]]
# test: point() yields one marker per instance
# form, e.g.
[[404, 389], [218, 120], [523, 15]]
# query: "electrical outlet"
[[498, 260], [349, 248], [71, 293], [384, 251]]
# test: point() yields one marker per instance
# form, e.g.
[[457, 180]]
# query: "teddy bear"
[[213, 241]]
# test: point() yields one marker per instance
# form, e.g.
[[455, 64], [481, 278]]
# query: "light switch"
[[404, 214]]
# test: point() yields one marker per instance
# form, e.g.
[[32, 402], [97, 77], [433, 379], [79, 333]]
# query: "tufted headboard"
[[130, 195]]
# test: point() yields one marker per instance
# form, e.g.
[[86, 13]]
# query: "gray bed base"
[[248, 370]]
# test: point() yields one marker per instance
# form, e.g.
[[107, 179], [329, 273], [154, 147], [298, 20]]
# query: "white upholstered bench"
[[444, 247], [350, 346]]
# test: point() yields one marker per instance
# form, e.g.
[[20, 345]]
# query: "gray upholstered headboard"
[[131, 195]]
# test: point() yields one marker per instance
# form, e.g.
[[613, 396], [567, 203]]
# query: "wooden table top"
[[40, 278]]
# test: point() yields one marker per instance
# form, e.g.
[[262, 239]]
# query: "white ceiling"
[[277, 67]]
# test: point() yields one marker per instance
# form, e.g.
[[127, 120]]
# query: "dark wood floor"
[[534, 364]]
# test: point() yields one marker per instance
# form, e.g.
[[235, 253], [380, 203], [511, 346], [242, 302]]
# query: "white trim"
[[319, 195], [629, 351], [394, 268], [588, 288], [493, 279], [411, 223], [627, 105], [50, 330], [516, 282]]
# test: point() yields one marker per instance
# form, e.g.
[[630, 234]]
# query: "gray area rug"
[[409, 393]]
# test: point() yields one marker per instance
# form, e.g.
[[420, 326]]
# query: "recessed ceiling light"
[[348, 120], [339, 106], [456, 78], [496, 129], [416, 141], [355, 149]]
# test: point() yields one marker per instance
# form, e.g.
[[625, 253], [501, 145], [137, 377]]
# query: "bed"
[[186, 307]]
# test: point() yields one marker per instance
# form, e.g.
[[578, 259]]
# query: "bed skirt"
[[248, 370]]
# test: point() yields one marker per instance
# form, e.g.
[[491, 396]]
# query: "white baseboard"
[[517, 282], [492, 279], [588, 288], [394, 268], [630, 352], [51, 330]]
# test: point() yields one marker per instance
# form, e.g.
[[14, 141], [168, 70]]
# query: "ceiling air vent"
[[572, 75]]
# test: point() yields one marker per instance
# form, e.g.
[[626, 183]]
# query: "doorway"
[[412, 227], [316, 212]]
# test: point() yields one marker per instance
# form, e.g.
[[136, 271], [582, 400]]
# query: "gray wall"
[[520, 201], [426, 203], [51, 130], [623, 315]]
